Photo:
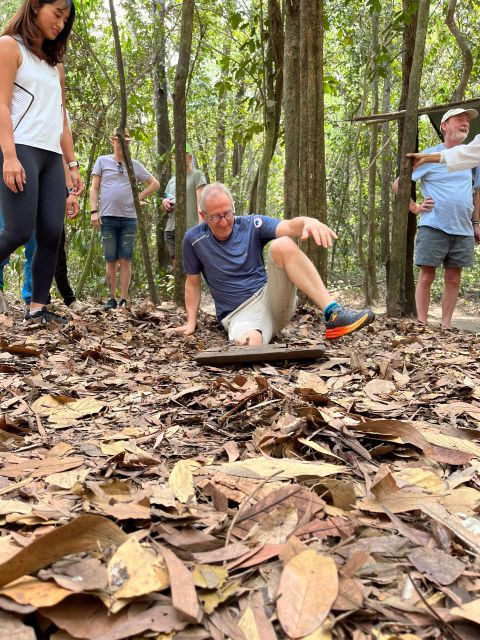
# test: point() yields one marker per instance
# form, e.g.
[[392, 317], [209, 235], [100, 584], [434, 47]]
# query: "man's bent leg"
[[300, 270], [422, 292], [452, 279]]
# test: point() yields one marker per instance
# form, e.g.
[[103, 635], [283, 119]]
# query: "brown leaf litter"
[[145, 496]]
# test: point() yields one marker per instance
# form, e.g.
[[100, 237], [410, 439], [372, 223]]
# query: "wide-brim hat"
[[472, 113]]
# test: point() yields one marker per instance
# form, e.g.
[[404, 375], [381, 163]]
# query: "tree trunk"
[[272, 98], [396, 306], [408, 47], [164, 141], [467, 58], [94, 235], [291, 91], [386, 179], [220, 146], [371, 289], [312, 178], [127, 157], [180, 131], [238, 147]]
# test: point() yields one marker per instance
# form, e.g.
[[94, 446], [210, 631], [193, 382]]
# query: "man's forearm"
[[93, 199], [192, 302], [293, 227], [149, 189]]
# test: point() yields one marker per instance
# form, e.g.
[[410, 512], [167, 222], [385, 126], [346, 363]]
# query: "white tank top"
[[37, 113]]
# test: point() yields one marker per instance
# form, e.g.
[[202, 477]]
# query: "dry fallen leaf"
[[307, 590]]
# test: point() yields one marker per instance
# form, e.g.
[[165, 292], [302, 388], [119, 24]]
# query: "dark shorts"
[[118, 237], [170, 242], [434, 248]]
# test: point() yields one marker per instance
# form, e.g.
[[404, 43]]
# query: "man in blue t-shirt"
[[254, 303], [447, 228]]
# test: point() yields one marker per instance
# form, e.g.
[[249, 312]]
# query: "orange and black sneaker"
[[344, 321]]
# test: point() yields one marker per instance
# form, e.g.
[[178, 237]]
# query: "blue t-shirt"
[[233, 269], [451, 193]]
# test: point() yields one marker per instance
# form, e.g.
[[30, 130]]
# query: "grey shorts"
[[170, 242], [269, 310], [434, 247]]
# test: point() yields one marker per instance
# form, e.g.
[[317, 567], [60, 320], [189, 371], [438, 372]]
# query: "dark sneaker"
[[123, 303], [111, 304], [44, 316], [344, 321]]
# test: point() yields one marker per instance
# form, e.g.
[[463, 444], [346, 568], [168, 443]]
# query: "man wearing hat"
[[115, 217], [447, 226]]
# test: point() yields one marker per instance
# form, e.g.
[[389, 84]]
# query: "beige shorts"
[[269, 310]]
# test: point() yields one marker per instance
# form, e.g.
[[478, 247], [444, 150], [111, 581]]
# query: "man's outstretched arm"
[[192, 304], [304, 227]]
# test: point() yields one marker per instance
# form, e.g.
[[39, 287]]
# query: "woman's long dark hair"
[[23, 23]]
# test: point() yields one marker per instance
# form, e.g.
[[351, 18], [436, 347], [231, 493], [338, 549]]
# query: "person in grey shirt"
[[117, 219], [195, 184]]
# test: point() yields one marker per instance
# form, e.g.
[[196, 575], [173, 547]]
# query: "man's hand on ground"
[[186, 329], [319, 232]]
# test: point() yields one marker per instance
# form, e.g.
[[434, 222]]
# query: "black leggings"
[[40, 207]]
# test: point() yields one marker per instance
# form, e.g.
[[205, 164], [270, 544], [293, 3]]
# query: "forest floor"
[[144, 495]]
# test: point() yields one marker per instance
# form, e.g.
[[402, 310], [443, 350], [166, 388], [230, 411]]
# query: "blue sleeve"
[[266, 227], [421, 172], [191, 264]]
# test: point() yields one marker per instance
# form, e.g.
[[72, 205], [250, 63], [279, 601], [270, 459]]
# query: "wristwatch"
[[93, 212], [73, 163]]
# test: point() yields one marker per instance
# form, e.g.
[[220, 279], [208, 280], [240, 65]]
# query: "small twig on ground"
[[244, 504]]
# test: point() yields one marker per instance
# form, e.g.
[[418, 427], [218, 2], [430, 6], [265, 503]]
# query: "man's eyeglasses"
[[120, 167], [228, 215]]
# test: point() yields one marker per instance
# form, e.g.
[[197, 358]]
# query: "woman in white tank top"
[[34, 133]]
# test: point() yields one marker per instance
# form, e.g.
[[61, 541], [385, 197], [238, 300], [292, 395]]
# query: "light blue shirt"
[[452, 194]]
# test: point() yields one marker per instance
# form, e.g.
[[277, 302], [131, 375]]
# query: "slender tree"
[[386, 177], [467, 58], [371, 289], [128, 159], [163, 138], [396, 283], [291, 96], [180, 131]]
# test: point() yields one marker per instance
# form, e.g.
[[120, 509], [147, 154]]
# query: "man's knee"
[[281, 248], [452, 277], [426, 276]]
